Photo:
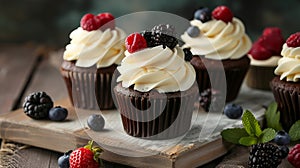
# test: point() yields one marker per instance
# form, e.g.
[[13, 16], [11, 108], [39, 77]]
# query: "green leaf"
[[233, 135], [295, 131], [248, 141], [251, 124], [273, 117], [267, 135]]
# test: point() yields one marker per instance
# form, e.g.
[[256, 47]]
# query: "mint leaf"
[[267, 135], [294, 131], [233, 135], [251, 124], [248, 141], [273, 117]]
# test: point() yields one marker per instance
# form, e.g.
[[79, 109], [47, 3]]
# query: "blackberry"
[[187, 54], [148, 37], [164, 34], [265, 155], [37, 105], [209, 99]]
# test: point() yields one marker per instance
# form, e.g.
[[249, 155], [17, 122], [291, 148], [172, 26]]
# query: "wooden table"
[[29, 68]]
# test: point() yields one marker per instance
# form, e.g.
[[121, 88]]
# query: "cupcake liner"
[[259, 77], [287, 96], [89, 88], [155, 117]]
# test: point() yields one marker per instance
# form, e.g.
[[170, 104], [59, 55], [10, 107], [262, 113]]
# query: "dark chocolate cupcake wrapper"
[[287, 96], [260, 77], [89, 89], [156, 117]]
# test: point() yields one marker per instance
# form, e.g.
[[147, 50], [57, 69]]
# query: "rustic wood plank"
[[16, 65]]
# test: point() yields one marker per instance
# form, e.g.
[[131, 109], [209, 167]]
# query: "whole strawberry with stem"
[[86, 157]]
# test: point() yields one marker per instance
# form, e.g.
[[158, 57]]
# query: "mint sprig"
[[294, 131], [251, 133], [273, 117]]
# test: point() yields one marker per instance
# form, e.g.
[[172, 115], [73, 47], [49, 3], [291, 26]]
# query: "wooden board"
[[191, 151]]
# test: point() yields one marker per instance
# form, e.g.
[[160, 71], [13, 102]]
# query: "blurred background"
[[50, 22]]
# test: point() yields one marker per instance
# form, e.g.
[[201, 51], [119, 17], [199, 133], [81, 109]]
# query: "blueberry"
[[193, 31], [96, 122], [284, 151], [282, 138], [63, 161], [203, 14], [58, 113], [233, 111]]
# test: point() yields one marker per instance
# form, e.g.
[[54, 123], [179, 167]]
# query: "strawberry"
[[294, 156], [90, 22], [259, 52], [135, 42], [85, 157], [107, 21], [222, 13], [293, 40]]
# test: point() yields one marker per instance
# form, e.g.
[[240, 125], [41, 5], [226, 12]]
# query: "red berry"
[[222, 13], [259, 52], [135, 42], [271, 31], [83, 158], [90, 22], [293, 40], [294, 156], [107, 21], [273, 40]]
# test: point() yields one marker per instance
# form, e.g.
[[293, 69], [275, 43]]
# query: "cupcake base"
[[154, 115], [259, 77], [235, 71], [287, 96], [89, 88]]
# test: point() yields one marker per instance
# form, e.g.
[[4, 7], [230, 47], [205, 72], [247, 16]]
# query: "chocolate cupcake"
[[90, 61], [157, 89], [264, 56], [219, 44], [286, 85]]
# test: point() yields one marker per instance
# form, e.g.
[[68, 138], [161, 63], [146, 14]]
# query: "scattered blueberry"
[[203, 14], [193, 31], [284, 151], [96, 122], [58, 113], [63, 161], [282, 138], [233, 111]]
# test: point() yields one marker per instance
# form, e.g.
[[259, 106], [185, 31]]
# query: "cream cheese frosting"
[[219, 40], [289, 65], [102, 48], [159, 68], [270, 62]]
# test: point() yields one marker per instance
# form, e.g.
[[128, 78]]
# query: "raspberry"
[[270, 31], [293, 40], [222, 13], [90, 22], [135, 42], [37, 105], [265, 155], [107, 21], [272, 40], [259, 52], [294, 156]]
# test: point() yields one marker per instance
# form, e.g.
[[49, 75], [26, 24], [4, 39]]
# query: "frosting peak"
[[219, 40], [289, 65], [102, 48], [159, 68]]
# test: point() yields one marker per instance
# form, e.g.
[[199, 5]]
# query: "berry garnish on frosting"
[[268, 44], [293, 40], [193, 31], [203, 14], [135, 42], [90, 22], [222, 13]]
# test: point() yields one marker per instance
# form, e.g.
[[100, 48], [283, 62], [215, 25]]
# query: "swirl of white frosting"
[[157, 68], [219, 40], [289, 65], [103, 48], [270, 62]]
